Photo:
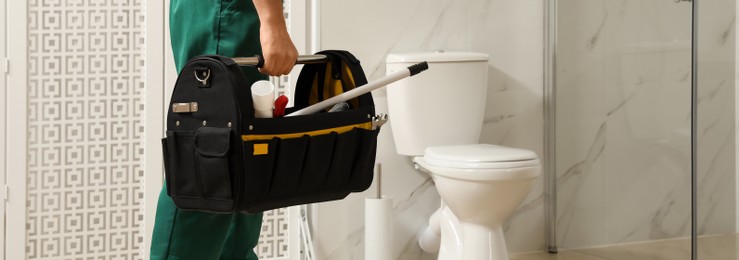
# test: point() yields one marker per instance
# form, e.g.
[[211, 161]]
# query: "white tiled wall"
[[716, 108], [511, 33], [623, 69], [623, 125], [623, 121]]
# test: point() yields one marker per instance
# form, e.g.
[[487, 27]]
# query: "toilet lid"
[[479, 156]]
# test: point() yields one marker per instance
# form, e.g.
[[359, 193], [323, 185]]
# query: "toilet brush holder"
[[378, 223], [378, 229]]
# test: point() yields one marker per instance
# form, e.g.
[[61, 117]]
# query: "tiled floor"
[[711, 248]]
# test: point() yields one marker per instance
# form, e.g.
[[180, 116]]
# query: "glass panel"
[[716, 156], [622, 143]]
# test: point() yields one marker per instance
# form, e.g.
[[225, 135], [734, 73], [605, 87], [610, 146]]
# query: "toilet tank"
[[442, 106]]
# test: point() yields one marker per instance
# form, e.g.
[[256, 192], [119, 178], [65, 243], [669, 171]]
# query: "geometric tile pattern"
[[273, 240], [86, 131], [282, 84]]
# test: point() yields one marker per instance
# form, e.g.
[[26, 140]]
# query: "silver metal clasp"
[[202, 75], [190, 107]]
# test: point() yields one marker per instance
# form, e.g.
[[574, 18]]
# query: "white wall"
[[624, 115], [511, 32], [716, 89], [623, 121]]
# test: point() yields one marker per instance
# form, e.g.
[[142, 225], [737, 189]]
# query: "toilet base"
[[465, 241], [483, 243], [482, 200]]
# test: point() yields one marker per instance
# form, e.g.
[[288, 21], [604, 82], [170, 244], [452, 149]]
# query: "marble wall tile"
[[511, 33], [622, 74], [716, 89], [623, 102], [613, 73]]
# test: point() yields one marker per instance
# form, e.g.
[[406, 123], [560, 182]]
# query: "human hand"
[[278, 50]]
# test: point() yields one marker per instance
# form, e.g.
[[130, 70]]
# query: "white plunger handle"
[[358, 91]]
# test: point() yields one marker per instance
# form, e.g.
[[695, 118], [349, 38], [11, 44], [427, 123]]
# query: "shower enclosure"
[[640, 128]]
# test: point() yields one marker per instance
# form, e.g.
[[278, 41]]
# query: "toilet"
[[436, 118]]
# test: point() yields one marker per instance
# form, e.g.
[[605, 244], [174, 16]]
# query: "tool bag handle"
[[258, 60]]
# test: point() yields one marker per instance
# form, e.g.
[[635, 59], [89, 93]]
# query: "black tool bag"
[[220, 158]]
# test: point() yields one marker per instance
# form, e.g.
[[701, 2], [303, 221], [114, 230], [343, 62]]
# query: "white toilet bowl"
[[481, 185], [439, 116]]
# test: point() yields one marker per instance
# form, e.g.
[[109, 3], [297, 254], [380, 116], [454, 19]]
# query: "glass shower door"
[[622, 141], [715, 133]]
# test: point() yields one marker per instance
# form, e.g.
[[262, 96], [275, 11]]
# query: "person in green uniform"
[[233, 28]]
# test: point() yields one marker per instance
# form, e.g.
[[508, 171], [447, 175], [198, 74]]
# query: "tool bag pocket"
[[200, 166], [291, 168]]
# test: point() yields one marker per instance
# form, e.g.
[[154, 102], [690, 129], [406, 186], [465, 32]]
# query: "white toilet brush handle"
[[360, 90]]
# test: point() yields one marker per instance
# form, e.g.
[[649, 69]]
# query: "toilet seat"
[[479, 156]]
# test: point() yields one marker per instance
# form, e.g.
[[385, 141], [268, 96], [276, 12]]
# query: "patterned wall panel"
[[86, 131], [86, 134], [273, 240]]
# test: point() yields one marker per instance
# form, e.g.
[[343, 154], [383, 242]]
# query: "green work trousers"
[[229, 28]]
